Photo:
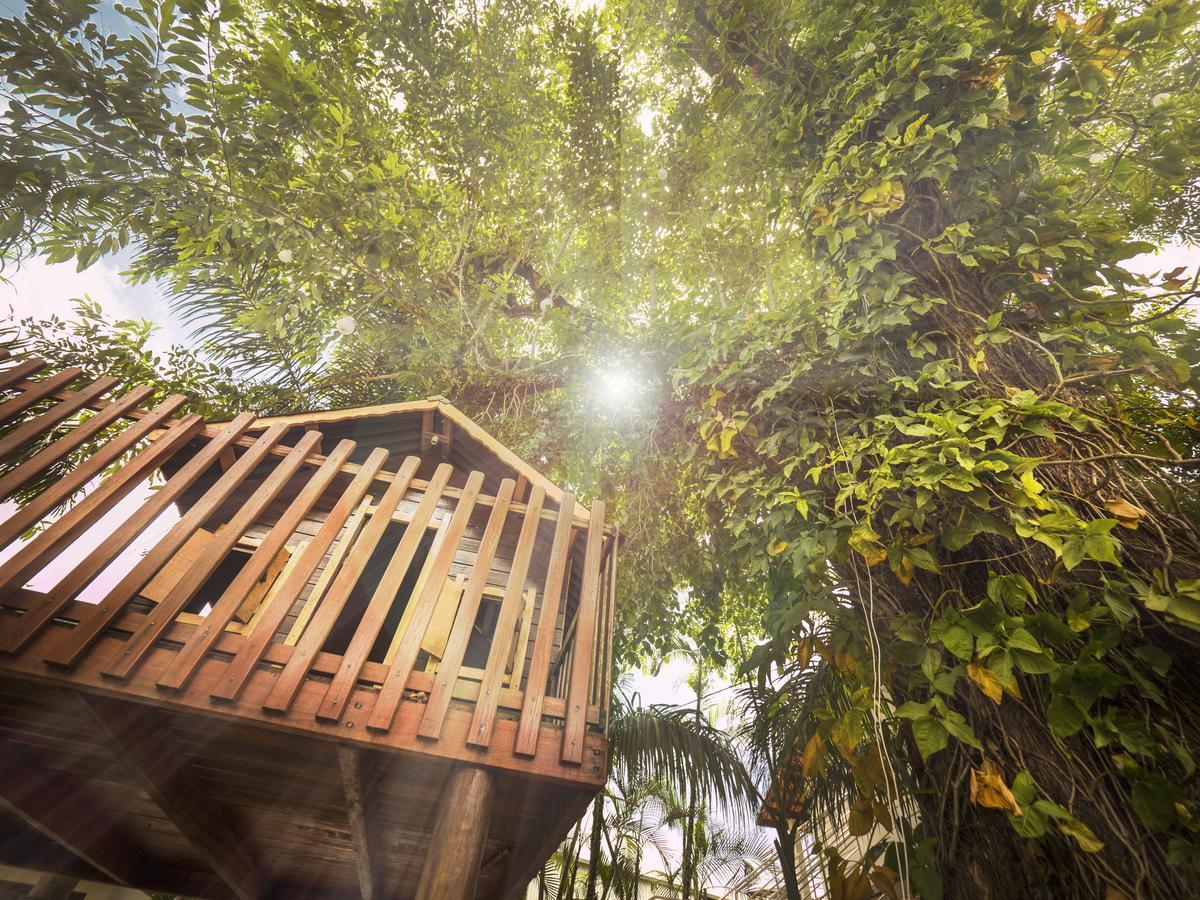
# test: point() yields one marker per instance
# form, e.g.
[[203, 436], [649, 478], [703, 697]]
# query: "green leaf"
[[930, 735], [1064, 716], [958, 641]]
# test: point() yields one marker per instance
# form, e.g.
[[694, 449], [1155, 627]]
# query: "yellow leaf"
[[779, 548], [1062, 21], [904, 571], [989, 790], [985, 681], [1084, 836], [874, 555], [812, 762], [1126, 513]]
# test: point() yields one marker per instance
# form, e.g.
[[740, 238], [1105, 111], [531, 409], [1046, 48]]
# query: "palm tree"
[[670, 746]]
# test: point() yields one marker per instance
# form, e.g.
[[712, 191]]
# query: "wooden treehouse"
[[358, 653]]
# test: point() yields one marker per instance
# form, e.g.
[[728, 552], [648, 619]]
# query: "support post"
[[460, 830]]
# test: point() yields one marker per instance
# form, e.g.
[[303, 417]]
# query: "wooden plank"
[[122, 536], [239, 589], [19, 438], [314, 638], [225, 539], [437, 633], [195, 548], [114, 601], [381, 601], [543, 644], [249, 607], [421, 607], [585, 633], [484, 717], [255, 644], [141, 739], [45, 458], [65, 813], [359, 817], [518, 654], [20, 372], [110, 490], [37, 390], [280, 568], [605, 698], [331, 568], [460, 634]]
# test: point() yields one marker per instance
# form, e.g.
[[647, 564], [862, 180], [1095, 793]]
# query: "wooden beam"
[[66, 813], [356, 782], [39, 390], [452, 862], [20, 438], [76, 437], [140, 737]]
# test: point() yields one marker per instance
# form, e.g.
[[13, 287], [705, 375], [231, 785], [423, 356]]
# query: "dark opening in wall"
[[216, 584], [360, 597]]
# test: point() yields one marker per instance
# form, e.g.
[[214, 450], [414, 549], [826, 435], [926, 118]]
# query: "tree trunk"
[[594, 846], [689, 842], [785, 849]]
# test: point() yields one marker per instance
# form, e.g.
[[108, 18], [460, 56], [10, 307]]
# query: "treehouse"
[[355, 653]]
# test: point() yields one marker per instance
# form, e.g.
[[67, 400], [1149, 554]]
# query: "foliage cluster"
[[922, 425]]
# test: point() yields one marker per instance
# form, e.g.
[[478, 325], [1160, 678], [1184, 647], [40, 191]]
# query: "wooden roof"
[[481, 450]]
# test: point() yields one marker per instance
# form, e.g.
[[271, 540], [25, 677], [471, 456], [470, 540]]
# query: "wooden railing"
[[544, 688]]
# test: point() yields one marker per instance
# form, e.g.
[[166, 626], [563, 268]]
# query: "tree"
[[909, 400], [960, 439]]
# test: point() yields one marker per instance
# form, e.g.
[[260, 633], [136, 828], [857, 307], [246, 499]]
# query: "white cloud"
[[41, 290]]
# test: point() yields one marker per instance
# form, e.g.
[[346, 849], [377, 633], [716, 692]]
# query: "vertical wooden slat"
[[69, 652], [344, 543], [296, 670], [20, 437], [585, 631], [605, 699], [480, 732], [121, 537], [181, 670], [43, 459], [140, 643], [255, 644], [543, 644], [464, 621], [37, 391], [338, 692], [420, 609], [112, 488], [20, 372]]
